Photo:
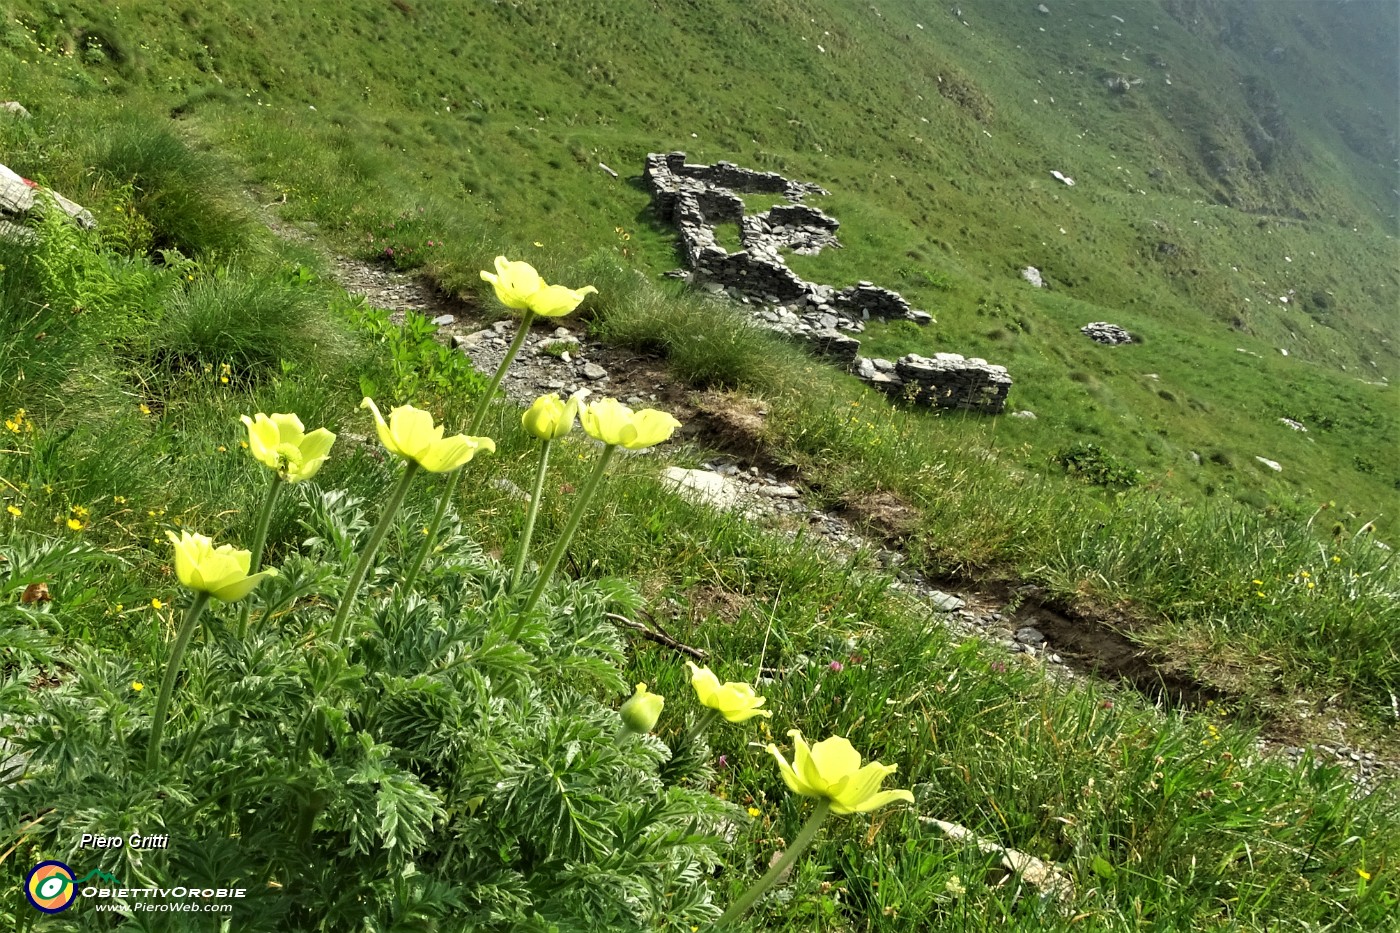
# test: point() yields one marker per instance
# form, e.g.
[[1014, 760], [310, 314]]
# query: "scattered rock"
[[445, 320], [703, 487], [16, 108], [1058, 176], [779, 492], [945, 602], [1030, 635], [1297, 426], [18, 195], [1032, 274], [608, 170], [1108, 334], [1046, 877], [1271, 464], [594, 371], [1028, 415]]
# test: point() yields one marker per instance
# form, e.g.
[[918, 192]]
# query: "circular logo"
[[50, 887]]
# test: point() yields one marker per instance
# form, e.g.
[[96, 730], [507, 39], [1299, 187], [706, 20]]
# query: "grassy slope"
[[936, 143]]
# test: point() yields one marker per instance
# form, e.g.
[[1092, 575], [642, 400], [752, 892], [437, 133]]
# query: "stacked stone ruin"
[[695, 198]]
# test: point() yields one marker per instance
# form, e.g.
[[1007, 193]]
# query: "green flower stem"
[[478, 417], [444, 498], [376, 538], [703, 722], [562, 544], [259, 539], [172, 670], [534, 511], [799, 845]]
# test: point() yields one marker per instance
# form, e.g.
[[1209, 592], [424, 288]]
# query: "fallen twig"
[[661, 638]]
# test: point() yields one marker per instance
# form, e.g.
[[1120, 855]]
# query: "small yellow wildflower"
[[754, 812], [1336, 559], [145, 409], [75, 525], [1311, 585], [119, 500], [1365, 875], [157, 604], [1257, 582], [14, 510], [539, 244], [222, 449], [1304, 574], [80, 511], [120, 607], [137, 686], [1261, 595], [223, 380]]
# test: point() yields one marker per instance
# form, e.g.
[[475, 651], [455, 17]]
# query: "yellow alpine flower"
[[832, 769], [221, 572], [642, 710], [550, 419], [519, 286], [280, 442], [411, 434], [735, 702], [612, 422]]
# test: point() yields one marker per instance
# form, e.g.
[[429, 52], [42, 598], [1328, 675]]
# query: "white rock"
[[1271, 464], [703, 487]]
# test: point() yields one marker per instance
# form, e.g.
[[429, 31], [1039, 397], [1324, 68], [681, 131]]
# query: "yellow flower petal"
[[831, 769], [557, 301], [612, 422], [221, 572], [514, 282], [734, 701]]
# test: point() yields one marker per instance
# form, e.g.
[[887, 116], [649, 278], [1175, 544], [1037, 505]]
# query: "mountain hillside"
[[1234, 202]]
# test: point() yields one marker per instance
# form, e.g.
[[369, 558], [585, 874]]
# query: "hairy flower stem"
[[799, 845], [478, 417], [376, 538], [535, 493], [562, 544], [705, 720], [172, 670], [259, 539]]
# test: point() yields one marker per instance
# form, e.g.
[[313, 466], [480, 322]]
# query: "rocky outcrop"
[[1105, 333], [697, 198], [18, 195]]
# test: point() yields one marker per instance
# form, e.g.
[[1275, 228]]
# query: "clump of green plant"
[[417, 365], [1096, 465]]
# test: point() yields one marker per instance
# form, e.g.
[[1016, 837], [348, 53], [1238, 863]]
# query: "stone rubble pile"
[[947, 381], [695, 198], [1109, 334]]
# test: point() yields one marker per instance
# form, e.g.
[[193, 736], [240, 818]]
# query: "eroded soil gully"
[[1019, 619]]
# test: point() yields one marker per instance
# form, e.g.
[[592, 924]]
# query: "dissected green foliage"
[[486, 778]]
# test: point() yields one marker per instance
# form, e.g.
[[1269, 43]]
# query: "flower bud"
[[639, 714]]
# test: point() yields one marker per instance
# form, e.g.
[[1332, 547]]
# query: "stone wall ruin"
[[695, 198]]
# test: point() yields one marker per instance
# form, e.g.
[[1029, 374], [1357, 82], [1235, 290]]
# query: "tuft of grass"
[[185, 196]]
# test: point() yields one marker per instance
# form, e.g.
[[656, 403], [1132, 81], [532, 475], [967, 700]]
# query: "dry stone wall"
[[695, 198]]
